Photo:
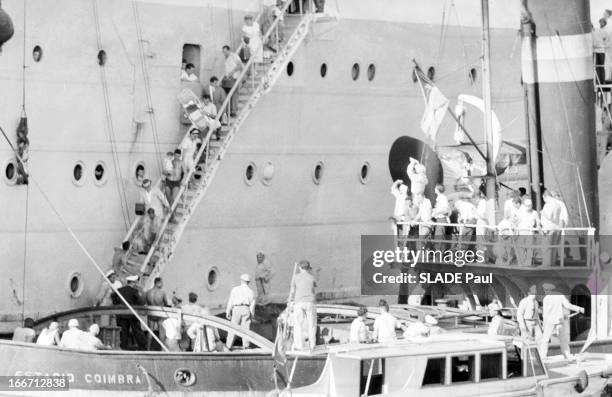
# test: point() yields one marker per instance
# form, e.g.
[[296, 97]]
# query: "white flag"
[[434, 113]]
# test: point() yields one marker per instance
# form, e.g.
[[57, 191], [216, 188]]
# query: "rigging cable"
[[109, 124], [27, 193], [147, 85], [442, 41]]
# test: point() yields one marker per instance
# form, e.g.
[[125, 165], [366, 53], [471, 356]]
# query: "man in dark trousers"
[[128, 323]]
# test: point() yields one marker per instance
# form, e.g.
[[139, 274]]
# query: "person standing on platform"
[[496, 326], [555, 312], [152, 197], [399, 190], [302, 300], [527, 221], [550, 218], [423, 216], [156, 296], [527, 314], [440, 213], [128, 323], [263, 275], [233, 67], [240, 308]]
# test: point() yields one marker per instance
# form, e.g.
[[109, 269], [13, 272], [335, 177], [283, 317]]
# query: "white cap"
[[548, 286], [132, 278], [73, 323], [245, 277], [430, 320], [109, 273]]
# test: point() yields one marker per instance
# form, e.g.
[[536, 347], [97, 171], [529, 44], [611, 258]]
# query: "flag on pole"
[[435, 105]]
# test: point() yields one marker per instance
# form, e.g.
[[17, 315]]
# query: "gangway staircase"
[[256, 79]]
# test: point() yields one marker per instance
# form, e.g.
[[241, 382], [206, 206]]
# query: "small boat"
[[461, 364], [248, 372]]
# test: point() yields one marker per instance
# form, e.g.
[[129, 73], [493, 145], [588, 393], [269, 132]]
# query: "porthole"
[[290, 68], [267, 174], [249, 173], [184, 377], [75, 284], [100, 174], [355, 71], [10, 172], [139, 173], [472, 75], [212, 278], [431, 73], [323, 70], [37, 53], [317, 172], [364, 172], [371, 72], [102, 57], [78, 173]]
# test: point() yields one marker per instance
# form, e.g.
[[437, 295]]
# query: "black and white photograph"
[[306, 198]]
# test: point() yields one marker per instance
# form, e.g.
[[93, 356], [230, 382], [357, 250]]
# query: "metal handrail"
[[590, 230], [205, 142]]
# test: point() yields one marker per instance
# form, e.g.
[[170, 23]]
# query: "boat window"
[[514, 363], [377, 377], [462, 369], [491, 366], [472, 75], [212, 279], [435, 371], [533, 363]]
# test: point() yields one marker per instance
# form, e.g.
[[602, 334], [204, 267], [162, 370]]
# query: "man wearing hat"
[[104, 297], [555, 311], [73, 337], [240, 307], [302, 298], [422, 328], [128, 323]]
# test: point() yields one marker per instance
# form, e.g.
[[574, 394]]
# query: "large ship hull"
[[304, 120]]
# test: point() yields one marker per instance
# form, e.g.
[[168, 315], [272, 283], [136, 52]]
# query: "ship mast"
[[488, 120]]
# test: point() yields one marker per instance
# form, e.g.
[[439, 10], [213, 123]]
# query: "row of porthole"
[[431, 75], [317, 173], [78, 173], [37, 54], [355, 70]]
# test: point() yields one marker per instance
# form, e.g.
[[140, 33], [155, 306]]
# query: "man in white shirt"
[[240, 308], [527, 315], [440, 213], [385, 324], [189, 147], [423, 215], [550, 218], [233, 66], [188, 74], [73, 337], [49, 336], [418, 177], [399, 190], [104, 297], [172, 331], [496, 326], [601, 42], [467, 215], [359, 329], [91, 340], [528, 219], [555, 312]]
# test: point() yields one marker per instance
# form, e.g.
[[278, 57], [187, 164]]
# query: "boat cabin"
[[431, 366]]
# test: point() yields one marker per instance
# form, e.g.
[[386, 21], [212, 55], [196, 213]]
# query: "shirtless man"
[[176, 176], [156, 296]]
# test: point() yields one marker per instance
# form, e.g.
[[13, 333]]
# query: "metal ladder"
[[255, 80]]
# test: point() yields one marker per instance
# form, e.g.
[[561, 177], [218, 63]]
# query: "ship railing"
[[554, 245], [137, 221], [206, 140]]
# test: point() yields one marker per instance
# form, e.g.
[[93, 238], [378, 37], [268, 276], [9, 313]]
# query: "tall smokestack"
[[557, 70]]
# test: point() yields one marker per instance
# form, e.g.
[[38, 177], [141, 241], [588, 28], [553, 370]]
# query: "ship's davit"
[[6, 27]]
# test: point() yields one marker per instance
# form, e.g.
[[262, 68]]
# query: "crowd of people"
[[464, 222]]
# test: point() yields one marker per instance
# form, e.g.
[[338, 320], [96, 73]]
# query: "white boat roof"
[[430, 346]]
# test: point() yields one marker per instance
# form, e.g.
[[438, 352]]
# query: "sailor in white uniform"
[[555, 311]]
